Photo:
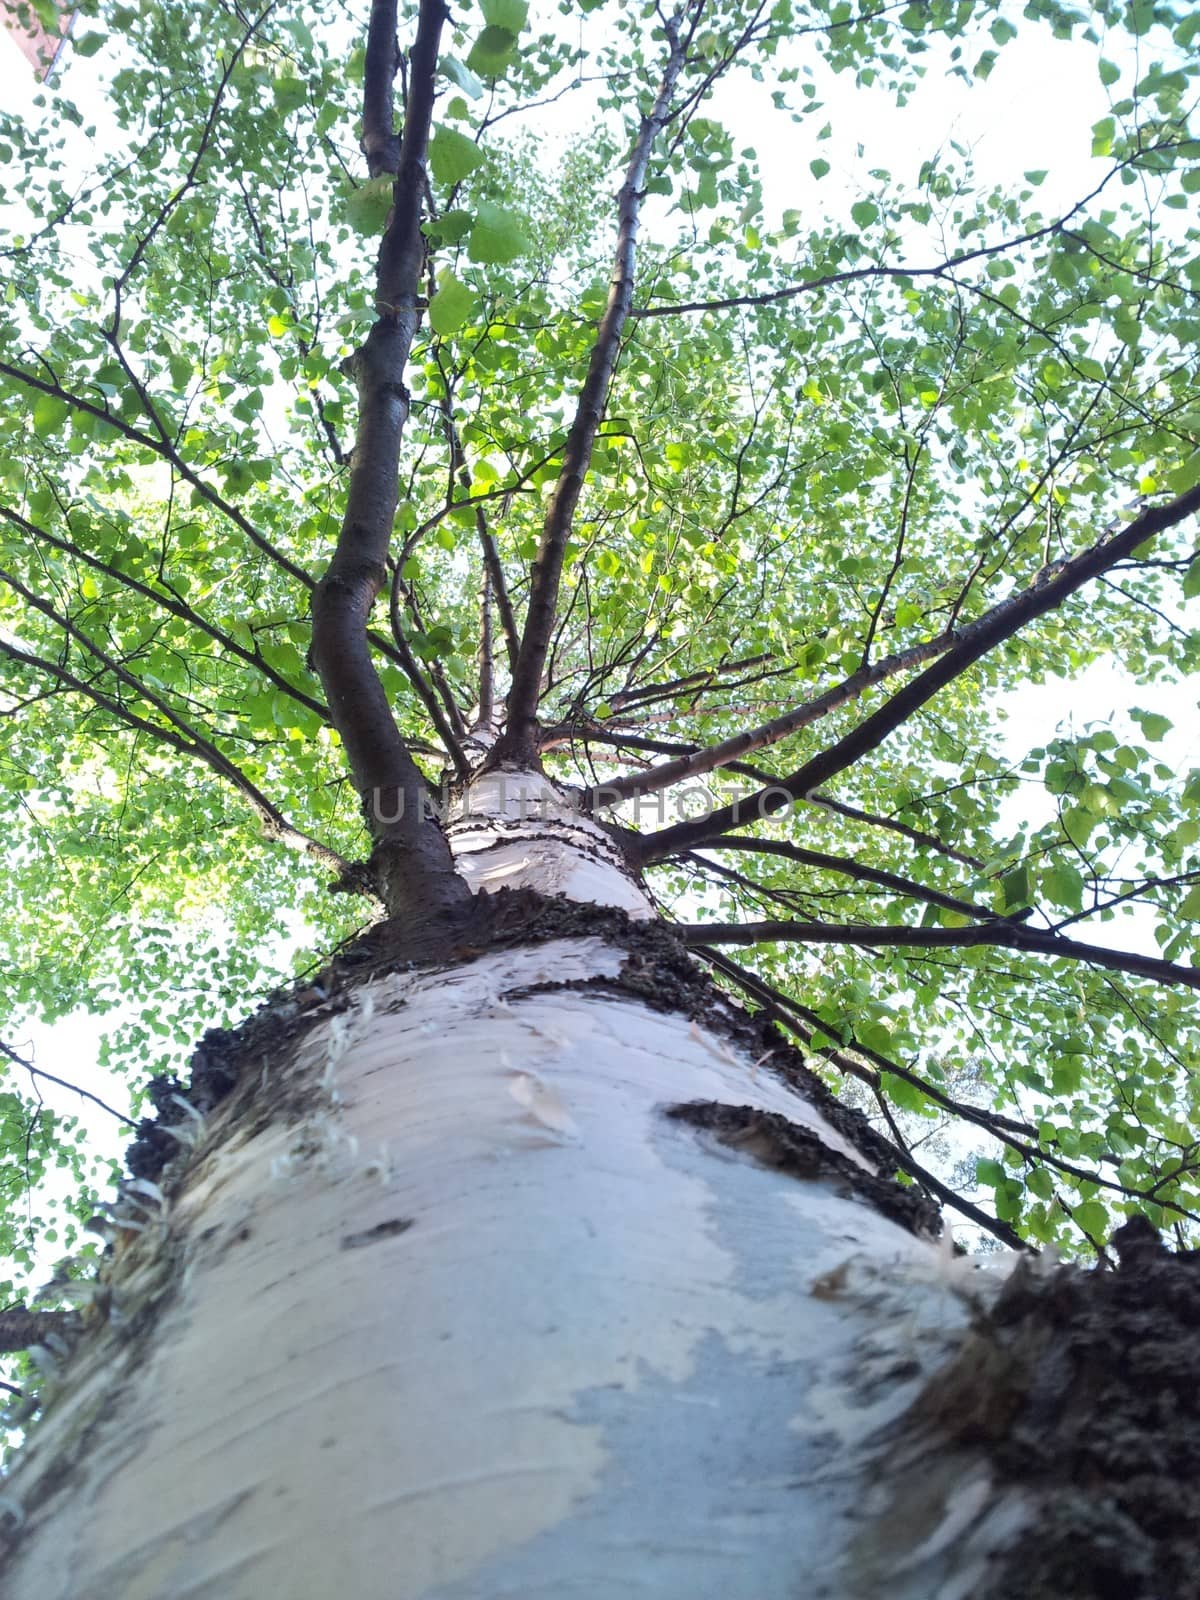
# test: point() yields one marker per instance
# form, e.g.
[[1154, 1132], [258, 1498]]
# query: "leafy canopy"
[[894, 428]]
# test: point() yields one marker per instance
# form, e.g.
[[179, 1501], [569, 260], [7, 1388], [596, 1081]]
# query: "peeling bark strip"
[[384, 772], [518, 743]]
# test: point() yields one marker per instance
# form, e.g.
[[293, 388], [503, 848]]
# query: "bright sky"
[[1034, 112]]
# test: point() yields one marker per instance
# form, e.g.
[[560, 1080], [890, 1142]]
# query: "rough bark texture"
[[1083, 1391]]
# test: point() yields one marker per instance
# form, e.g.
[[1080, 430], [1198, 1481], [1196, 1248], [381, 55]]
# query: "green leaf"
[[1014, 888], [498, 235], [49, 414], [510, 15], [461, 75], [1109, 73], [290, 92], [1103, 134], [1039, 1182], [1092, 1217], [450, 227], [819, 167], [1152, 723], [1078, 823], [86, 44], [367, 207], [452, 156], [1009, 1200], [864, 212], [492, 52], [452, 306], [1062, 885], [1186, 476]]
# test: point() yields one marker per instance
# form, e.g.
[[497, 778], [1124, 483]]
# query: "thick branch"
[[485, 709], [387, 778], [21, 1329], [499, 588], [857, 870], [767, 733], [1048, 591], [1009, 935], [519, 740], [379, 142]]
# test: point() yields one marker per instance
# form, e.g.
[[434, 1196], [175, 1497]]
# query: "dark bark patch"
[[1082, 1388], [21, 1329], [214, 1071], [381, 1231], [151, 1149], [217, 1065], [788, 1147], [657, 970]]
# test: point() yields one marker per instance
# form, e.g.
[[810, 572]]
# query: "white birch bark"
[[468, 1317], [517, 830]]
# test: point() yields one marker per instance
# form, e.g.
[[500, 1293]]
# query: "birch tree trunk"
[[532, 1268]]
